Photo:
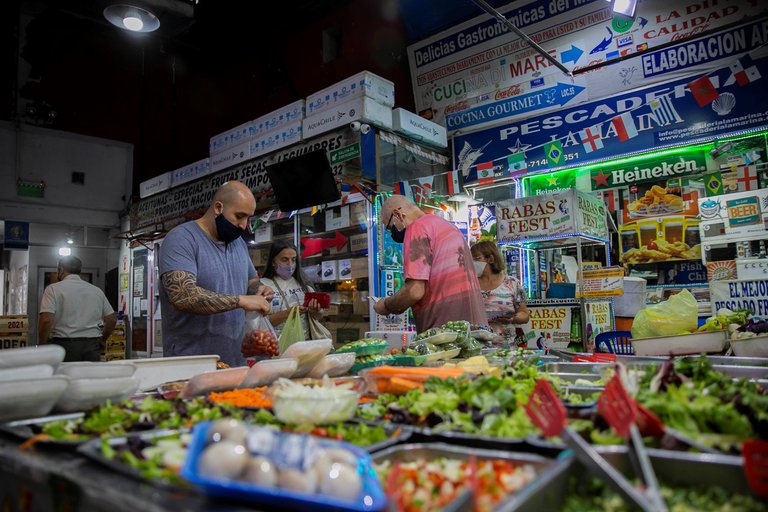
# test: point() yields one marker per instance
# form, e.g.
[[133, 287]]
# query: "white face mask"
[[479, 267]]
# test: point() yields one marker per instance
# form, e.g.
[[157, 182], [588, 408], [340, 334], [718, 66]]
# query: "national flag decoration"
[[664, 111], [746, 177], [625, 126], [453, 183], [485, 173], [423, 190], [753, 156], [553, 151], [517, 164], [313, 211], [611, 199], [590, 138], [713, 183], [345, 190], [743, 72], [703, 91], [401, 188]]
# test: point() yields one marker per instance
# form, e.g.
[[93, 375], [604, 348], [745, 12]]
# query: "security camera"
[[355, 126], [365, 128]]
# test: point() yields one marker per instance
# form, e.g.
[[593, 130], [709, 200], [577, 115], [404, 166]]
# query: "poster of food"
[[660, 239]]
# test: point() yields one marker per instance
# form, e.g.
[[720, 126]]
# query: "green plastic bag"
[[677, 315], [293, 330]]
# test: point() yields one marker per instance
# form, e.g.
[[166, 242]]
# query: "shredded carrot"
[[365, 399], [246, 397], [32, 441]]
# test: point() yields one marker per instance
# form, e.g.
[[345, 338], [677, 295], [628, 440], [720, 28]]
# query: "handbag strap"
[[282, 295]]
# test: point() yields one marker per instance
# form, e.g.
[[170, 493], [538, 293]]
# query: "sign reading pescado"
[[658, 169]]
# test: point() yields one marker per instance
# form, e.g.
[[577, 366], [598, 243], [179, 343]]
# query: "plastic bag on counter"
[[293, 330], [677, 315], [264, 373], [308, 354], [333, 365], [259, 339]]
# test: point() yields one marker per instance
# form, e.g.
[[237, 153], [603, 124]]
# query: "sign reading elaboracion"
[[658, 169]]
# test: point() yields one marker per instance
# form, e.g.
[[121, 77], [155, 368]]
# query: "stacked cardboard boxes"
[[115, 346], [363, 97], [14, 331]]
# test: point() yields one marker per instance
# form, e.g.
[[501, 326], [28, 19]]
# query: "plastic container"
[[307, 354], [368, 364], [333, 365], [440, 338], [35, 371], [88, 370], [83, 394], [682, 344], [158, 370], [265, 372], [30, 398], [217, 380], [371, 496], [442, 356], [751, 347], [615, 342], [366, 350], [45, 354], [315, 406]]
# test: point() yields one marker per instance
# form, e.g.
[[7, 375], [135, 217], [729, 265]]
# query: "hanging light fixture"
[[132, 18]]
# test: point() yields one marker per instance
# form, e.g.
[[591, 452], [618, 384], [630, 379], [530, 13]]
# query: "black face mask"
[[398, 235], [227, 231]]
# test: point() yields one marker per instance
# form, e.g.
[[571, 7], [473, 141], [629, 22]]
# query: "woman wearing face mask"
[[285, 277], [503, 295]]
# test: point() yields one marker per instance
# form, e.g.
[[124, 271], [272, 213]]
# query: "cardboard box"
[[415, 126], [231, 137], [155, 185], [362, 84], [359, 109], [231, 156], [285, 135], [277, 118], [190, 172], [14, 341]]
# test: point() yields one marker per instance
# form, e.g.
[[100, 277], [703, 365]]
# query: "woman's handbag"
[[317, 331]]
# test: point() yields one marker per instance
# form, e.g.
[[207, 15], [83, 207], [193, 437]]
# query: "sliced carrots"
[[246, 397], [32, 441], [399, 380]]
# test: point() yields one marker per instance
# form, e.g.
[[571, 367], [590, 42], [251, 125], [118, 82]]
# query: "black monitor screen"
[[306, 180]]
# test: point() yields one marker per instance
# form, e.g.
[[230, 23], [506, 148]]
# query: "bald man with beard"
[[440, 281], [206, 273]]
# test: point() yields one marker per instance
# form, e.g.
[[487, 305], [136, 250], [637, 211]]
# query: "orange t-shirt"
[[435, 251]]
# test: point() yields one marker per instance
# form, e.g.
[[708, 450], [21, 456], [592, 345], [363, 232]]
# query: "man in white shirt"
[[75, 314]]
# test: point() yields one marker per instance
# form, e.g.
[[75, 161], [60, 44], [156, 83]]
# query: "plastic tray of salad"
[[275, 469], [438, 476], [155, 456], [688, 481], [364, 347], [436, 336], [29, 428], [443, 355]]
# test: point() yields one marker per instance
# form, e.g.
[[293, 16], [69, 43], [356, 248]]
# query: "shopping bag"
[[293, 330], [317, 331], [259, 338], [677, 315]]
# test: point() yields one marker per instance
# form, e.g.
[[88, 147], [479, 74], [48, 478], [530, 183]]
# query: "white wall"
[[33, 154]]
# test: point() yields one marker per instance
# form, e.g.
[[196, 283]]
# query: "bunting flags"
[[743, 72], [401, 188], [423, 190], [703, 91], [485, 173], [713, 184], [664, 111], [517, 164], [453, 183], [611, 198], [625, 126], [590, 138], [554, 152], [746, 176]]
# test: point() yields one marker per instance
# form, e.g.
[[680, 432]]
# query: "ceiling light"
[[624, 8], [131, 17], [65, 251], [70, 241]]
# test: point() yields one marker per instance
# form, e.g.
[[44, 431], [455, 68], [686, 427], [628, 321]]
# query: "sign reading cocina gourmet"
[[653, 170]]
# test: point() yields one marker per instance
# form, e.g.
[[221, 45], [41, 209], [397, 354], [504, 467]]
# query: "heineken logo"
[[652, 171]]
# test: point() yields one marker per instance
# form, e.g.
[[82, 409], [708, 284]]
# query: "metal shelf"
[[556, 242], [670, 286]]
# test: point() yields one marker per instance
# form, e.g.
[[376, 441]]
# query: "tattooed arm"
[[185, 295]]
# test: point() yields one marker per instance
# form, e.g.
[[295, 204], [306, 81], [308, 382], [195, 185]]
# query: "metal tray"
[[584, 391], [672, 468], [92, 450], [462, 439], [570, 378], [682, 344], [28, 428], [546, 468], [737, 361], [742, 372]]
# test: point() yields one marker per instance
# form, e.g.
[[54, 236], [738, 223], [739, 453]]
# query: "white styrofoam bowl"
[[30, 398], [751, 347], [681, 344], [44, 354], [93, 370], [158, 370], [35, 371], [83, 394]]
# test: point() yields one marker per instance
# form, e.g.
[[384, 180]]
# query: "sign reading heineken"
[[653, 170], [548, 183]]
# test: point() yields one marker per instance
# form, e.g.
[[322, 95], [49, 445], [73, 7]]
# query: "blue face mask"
[[285, 271], [227, 231]]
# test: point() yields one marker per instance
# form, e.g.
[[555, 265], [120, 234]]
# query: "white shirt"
[[78, 308], [288, 295]]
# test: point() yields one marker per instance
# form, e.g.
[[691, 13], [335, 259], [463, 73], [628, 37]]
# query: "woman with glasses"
[[503, 295]]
